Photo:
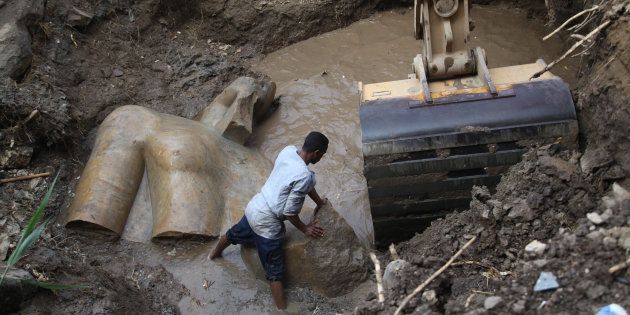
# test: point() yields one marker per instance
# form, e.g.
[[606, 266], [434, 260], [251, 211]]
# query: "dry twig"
[[568, 52], [595, 7], [433, 276], [619, 266], [25, 177], [379, 278]]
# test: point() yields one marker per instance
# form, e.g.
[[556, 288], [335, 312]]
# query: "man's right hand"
[[314, 230]]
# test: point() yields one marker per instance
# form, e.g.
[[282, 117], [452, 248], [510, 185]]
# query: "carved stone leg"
[[114, 171]]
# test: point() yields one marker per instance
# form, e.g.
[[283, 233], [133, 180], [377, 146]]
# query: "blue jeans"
[[269, 251]]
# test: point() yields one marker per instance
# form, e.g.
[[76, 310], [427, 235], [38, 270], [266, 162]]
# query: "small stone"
[[536, 247], [485, 213], [595, 235], [520, 209], [16, 157], [621, 194], [555, 166], [624, 238], [534, 200], [371, 296], [481, 192], [593, 159], [4, 246], [491, 302], [609, 242], [614, 172], [606, 215], [159, 66], [392, 273], [518, 307], [540, 262], [34, 182], [430, 297], [117, 72], [596, 292], [14, 289], [594, 218]]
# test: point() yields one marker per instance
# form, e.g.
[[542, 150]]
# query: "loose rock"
[[331, 265], [594, 218], [18, 157], [430, 297], [518, 307], [492, 302], [15, 39], [15, 289], [393, 272], [536, 247]]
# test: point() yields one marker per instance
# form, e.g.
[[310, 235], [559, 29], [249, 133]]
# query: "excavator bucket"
[[425, 144]]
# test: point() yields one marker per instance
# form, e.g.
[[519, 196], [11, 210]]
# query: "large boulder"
[[331, 265], [15, 39], [17, 286]]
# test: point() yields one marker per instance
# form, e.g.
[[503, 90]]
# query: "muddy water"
[[317, 84]]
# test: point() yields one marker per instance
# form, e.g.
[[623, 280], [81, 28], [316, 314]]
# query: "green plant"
[[30, 234]]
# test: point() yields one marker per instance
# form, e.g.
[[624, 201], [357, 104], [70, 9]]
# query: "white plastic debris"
[[612, 309]]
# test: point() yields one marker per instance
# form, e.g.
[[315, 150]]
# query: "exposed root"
[[573, 48], [379, 278], [595, 7], [620, 266]]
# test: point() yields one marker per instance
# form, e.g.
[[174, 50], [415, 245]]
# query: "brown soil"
[[175, 56]]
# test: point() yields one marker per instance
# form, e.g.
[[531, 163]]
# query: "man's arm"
[[311, 229], [319, 201]]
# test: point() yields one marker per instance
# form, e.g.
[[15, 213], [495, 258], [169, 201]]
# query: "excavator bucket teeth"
[[422, 159]]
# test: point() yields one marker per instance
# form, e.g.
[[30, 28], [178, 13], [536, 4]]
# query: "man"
[[281, 198]]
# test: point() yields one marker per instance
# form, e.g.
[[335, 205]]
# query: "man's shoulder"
[[289, 149]]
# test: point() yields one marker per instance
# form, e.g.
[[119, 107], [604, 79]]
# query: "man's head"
[[315, 146]]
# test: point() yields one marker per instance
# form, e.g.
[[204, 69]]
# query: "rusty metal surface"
[[197, 180]]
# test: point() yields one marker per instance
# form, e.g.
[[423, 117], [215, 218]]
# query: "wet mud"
[[318, 90]]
